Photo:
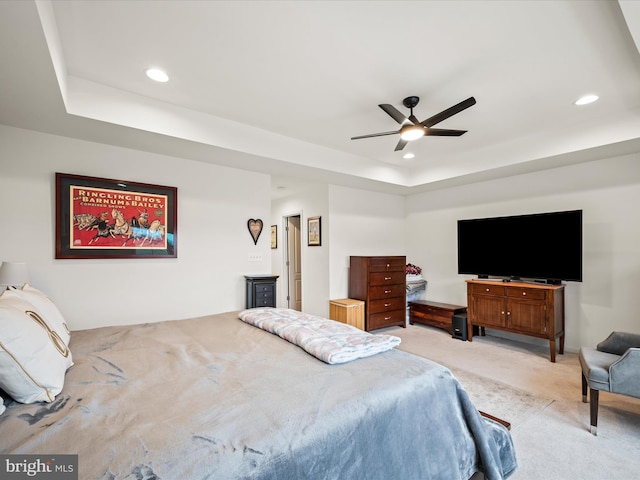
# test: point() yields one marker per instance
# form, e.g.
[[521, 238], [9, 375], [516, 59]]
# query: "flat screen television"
[[543, 246]]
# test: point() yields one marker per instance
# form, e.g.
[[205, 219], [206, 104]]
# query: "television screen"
[[545, 246]]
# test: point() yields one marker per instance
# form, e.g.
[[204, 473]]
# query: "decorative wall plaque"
[[255, 229]]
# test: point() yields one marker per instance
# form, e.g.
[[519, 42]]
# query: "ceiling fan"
[[412, 128]]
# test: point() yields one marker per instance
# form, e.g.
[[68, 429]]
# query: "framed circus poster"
[[104, 218]]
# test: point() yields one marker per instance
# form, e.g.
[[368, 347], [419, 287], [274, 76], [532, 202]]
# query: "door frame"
[[288, 282]]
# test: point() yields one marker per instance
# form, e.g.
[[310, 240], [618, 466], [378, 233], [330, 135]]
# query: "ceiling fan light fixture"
[[413, 132], [412, 129]]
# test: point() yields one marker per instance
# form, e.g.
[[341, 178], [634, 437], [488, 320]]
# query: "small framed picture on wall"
[[314, 233], [274, 236]]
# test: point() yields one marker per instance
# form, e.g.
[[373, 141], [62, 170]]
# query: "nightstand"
[[261, 291]]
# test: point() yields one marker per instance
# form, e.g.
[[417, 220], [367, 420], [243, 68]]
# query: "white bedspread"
[[327, 340]]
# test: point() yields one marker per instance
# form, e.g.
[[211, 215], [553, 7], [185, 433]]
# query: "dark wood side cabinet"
[[528, 309], [261, 290], [381, 283], [435, 314]]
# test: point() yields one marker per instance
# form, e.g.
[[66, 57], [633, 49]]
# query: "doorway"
[[293, 263]]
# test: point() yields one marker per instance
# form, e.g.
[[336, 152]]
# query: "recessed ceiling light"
[[157, 75], [586, 99], [408, 155]]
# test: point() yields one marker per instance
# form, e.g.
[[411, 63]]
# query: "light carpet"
[[499, 399], [496, 398], [552, 442]]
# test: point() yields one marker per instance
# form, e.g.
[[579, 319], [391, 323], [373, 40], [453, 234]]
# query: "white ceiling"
[[280, 87]]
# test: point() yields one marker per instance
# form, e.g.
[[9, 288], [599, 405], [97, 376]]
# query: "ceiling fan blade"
[[439, 117], [393, 113], [400, 145], [443, 132], [375, 135], [413, 118]]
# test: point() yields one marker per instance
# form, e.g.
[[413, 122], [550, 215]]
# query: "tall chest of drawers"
[[381, 283]]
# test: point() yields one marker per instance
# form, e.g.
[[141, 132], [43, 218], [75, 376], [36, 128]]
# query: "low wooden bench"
[[435, 314]]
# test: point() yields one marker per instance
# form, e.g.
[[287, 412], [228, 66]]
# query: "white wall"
[[214, 243], [362, 223], [213, 240], [312, 202], [354, 222], [608, 192]]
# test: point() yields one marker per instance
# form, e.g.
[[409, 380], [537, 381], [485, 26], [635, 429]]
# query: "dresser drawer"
[[485, 289], [388, 265], [388, 278], [376, 293], [526, 293], [386, 319], [261, 289], [264, 301], [386, 305], [264, 294]]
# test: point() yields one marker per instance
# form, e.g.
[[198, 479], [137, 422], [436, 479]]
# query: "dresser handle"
[[387, 291], [387, 278], [387, 304], [524, 293], [387, 265], [387, 318], [487, 289]]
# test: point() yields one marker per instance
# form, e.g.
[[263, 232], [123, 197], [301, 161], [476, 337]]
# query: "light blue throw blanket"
[[216, 398]]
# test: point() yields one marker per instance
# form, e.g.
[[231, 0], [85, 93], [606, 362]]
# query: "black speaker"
[[459, 327]]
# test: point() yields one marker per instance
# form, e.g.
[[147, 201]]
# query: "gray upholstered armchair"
[[614, 366]]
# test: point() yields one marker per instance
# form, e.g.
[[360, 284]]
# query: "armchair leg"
[[584, 388], [594, 410]]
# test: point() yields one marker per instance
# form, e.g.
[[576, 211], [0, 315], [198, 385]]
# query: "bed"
[[215, 397]]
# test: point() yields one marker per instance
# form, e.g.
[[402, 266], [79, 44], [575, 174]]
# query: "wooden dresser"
[[381, 283], [528, 309]]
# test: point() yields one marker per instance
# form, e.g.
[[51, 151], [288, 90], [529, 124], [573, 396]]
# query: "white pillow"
[[2, 407], [33, 358], [47, 308]]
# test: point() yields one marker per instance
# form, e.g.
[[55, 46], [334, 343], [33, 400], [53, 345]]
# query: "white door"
[[294, 264]]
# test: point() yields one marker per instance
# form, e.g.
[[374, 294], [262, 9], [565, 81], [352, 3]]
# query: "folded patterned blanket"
[[410, 287], [327, 340], [417, 277]]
